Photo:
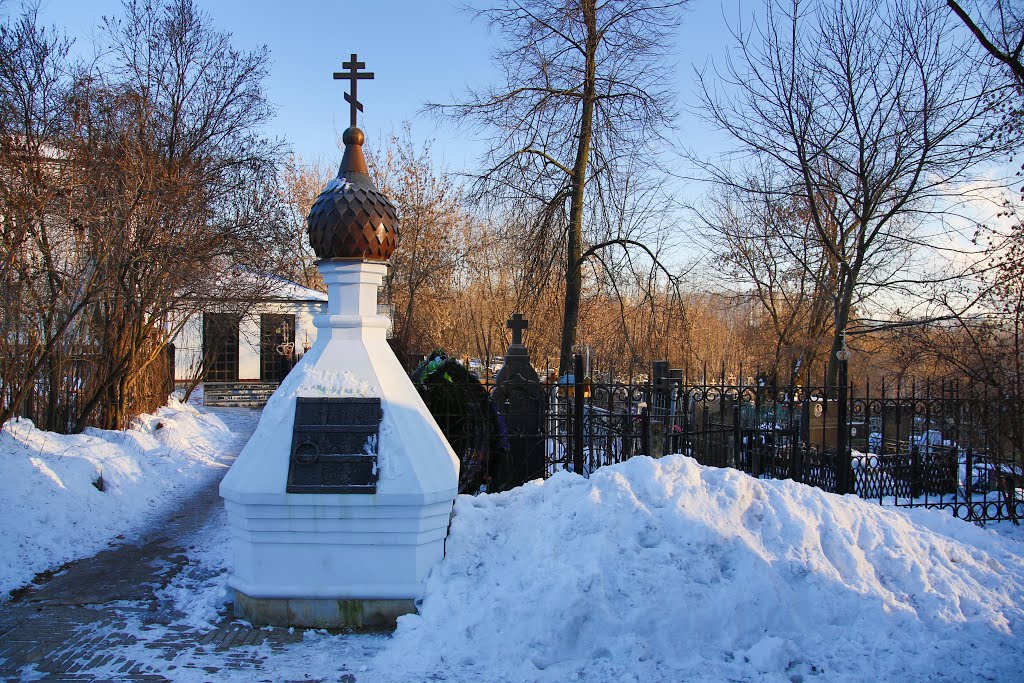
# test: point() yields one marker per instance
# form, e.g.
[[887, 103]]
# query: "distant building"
[[260, 344]]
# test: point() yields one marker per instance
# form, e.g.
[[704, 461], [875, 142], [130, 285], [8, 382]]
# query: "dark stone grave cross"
[[517, 324], [520, 399], [353, 66]]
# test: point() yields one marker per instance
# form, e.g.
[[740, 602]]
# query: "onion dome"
[[352, 219]]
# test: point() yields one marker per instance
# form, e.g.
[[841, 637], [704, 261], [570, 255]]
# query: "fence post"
[[673, 428], [844, 471], [627, 437], [968, 475], [577, 427], [737, 447], [170, 351], [645, 429], [915, 472], [755, 458], [685, 398], [796, 456]]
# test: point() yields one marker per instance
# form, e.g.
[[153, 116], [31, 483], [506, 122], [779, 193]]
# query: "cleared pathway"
[[105, 617]]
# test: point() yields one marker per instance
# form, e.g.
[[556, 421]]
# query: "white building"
[[259, 345]]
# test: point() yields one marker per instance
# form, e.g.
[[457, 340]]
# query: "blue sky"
[[421, 51]]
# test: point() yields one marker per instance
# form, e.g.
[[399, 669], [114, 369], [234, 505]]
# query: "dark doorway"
[[277, 345], [220, 346]]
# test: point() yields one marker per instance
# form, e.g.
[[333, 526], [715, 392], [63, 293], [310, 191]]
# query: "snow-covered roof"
[[261, 287], [281, 288]]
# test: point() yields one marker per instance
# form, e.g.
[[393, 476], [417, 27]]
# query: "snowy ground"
[[200, 593], [665, 571], [649, 571], [53, 509]]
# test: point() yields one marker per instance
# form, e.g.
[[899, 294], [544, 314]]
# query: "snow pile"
[[666, 570], [318, 383], [54, 510]]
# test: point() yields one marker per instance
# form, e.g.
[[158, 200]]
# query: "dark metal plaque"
[[334, 445]]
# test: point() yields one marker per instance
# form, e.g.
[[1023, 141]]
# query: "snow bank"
[[53, 509], [666, 570]]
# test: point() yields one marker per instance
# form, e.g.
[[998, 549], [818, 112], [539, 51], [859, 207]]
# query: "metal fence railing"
[[56, 396], [908, 445]]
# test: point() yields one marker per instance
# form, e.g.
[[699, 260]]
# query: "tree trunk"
[[848, 282], [574, 250]]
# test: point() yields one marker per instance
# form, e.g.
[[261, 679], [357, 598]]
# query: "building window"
[[220, 347], [277, 345]]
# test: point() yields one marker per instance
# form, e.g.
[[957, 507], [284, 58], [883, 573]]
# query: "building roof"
[[241, 284], [286, 290]]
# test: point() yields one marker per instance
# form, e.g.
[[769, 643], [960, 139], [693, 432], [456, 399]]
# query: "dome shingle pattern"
[[352, 218]]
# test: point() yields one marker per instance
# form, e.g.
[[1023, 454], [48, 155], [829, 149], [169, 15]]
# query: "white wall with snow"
[[188, 343]]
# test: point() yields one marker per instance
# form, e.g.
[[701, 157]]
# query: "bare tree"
[[979, 346], [582, 96], [999, 30], [869, 115], [300, 185], [765, 246], [168, 130], [47, 281], [421, 279], [496, 279], [131, 186]]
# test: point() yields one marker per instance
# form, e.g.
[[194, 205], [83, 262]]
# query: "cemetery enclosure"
[[905, 444]]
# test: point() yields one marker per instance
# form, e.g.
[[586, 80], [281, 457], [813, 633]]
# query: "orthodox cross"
[[517, 325], [353, 75]]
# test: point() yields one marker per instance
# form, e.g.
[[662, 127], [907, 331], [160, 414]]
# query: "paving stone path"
[[102, 618]]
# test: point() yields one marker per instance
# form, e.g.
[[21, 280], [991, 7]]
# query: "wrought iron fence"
[[55, 399], [900, 444]]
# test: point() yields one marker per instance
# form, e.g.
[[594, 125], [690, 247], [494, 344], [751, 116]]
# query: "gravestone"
[[715, 429], [821, 424], [660, 407], [519, 397], [895, 425]]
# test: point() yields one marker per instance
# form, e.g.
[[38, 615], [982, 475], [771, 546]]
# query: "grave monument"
[[339, 504], [519, 397]]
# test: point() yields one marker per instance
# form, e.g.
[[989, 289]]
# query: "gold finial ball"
[[353, 136]]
